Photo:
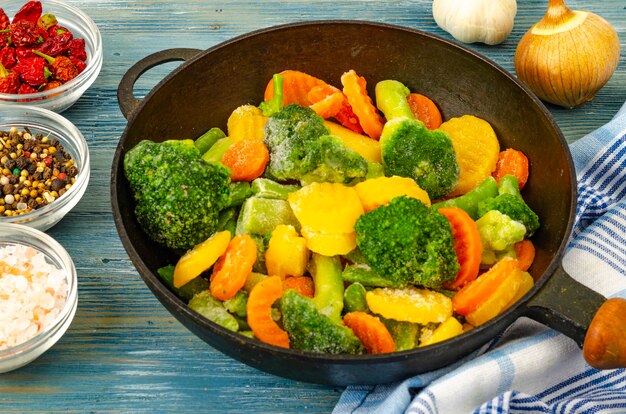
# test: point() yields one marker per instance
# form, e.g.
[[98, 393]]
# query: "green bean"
[[354, 298], [328, 297]]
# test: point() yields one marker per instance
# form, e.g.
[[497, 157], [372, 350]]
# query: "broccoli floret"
[[409, 149], [179, 196], [310, 330], [510, 202], [498, 234], [301, 149], [329, 160], [408, 243]]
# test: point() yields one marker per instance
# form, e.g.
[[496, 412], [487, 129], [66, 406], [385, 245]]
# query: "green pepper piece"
[[262, 215], [405, 334], [206, 305], [266, 188]]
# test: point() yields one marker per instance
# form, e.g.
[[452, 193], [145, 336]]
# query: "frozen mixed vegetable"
[[328, 221]]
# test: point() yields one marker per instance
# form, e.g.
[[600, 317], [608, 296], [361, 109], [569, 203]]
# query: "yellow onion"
[[567, 56]]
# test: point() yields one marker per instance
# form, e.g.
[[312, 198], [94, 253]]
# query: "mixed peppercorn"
[[36, 170], [36, 53]]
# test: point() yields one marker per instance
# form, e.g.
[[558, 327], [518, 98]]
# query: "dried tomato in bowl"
[[37, 51]]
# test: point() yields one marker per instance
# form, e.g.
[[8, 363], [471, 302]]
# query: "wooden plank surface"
[[124, 352]]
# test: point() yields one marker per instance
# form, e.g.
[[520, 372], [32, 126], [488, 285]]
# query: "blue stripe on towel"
[[600, 185]]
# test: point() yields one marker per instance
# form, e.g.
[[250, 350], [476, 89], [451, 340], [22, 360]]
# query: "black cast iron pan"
[[203, 91]]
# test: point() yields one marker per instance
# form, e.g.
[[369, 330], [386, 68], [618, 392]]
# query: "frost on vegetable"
[[510, 202], [206, 305], [411, 150], [262, 215], [498, 234], [310, 330], [301, 149], [178, 196], [408, 243]]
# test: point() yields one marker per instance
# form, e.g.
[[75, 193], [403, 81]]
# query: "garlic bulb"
[[567, 56], [469, 21]]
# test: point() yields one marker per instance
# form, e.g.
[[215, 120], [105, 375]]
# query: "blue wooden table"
[[124, 352]]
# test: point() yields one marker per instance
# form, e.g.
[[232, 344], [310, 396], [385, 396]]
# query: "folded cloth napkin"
[[531, 368]]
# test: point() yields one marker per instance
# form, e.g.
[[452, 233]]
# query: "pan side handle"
[[125, 96], [596, 324]]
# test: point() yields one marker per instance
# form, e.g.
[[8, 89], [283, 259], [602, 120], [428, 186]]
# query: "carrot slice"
[[425, 110], [345, 116], [475, 293], [354, 87], [301, 284], [348, 118], [233, 267], [370, 331], [467, 245], [525, 251], [513, 287], [512, 162], [259, 311], [329, 106], [246, 159], [296, 87], [303, 89], [320, 92]]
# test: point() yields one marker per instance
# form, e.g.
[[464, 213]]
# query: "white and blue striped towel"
[[531, 368]]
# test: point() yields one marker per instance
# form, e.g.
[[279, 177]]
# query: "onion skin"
[[568, 56]]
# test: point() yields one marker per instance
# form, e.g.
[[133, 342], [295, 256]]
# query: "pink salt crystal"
[[31, 299]]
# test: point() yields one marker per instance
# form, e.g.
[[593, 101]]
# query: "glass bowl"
[[43, 121], [22, 354], [82, 26]]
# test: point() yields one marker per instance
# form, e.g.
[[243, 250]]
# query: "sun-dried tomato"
[[27, 89], [77, 49], [8, 57], [24, 33], [30, 12], [61, 57], [57, 45], [57, 30], [5, 22], [52, 85], [9, 81], [31, 70], [80, 65], [24, 52], [62, 68], [42, 35]]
